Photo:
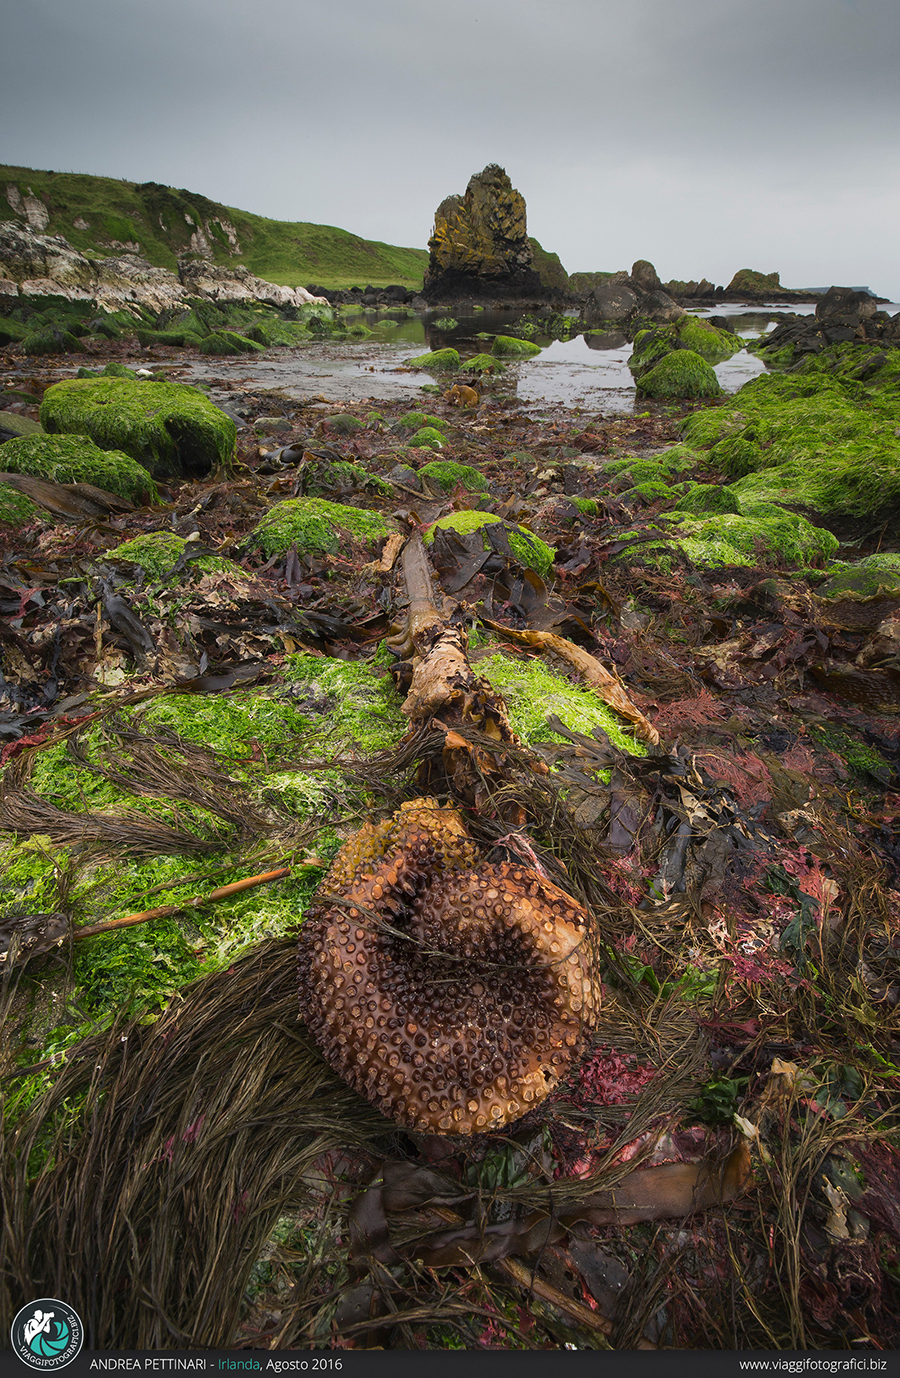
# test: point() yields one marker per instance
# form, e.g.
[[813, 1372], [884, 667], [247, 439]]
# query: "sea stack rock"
[[480, 246]]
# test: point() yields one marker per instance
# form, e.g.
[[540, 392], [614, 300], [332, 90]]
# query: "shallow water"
[[587, 374], [584, 373]]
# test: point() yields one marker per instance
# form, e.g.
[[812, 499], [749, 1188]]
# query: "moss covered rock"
[[12, 332], [448, 476], [52, 342], [809, 441], [171, 339], [760, 534], [313, 524], [527, 548], [172, 429], [436, 359], [415, 420], [229, 343], [112, 370], [158, 552], [749, 281], [15, 508], [867, 578], [678, 459], [708, 499], [76, 459], [12, 424], [428, 438], [653, 345], [343, 424], [508, 347], [680, 374], [484, 363]]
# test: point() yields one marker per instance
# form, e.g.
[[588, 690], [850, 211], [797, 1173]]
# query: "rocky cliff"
[[38, 265]]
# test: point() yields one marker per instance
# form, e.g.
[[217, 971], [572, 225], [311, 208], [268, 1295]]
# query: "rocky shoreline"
[[672, 699]]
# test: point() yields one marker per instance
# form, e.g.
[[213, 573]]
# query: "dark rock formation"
[[845, 306], [479, 246], [693, 291], [843, 313], [630, 300], [548, 267], [645, 276]]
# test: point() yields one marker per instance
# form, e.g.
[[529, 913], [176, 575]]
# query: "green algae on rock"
[[677, 459], [322, 476], [352, 709], [688, 333], [415, 420], [436, 359], [158, 552], [428, 438], [682, 373], [15, 508], [508, 347], [448, 476], [12, 424], [760, 533], [708, 499], [314, 524], [529, 550], [879, 573], [76, 459], [171, 339], [807, 441], [532, 692], [112, 370], [52, 342], [342, 423], [229, 343], [484, 363], [170, 428]]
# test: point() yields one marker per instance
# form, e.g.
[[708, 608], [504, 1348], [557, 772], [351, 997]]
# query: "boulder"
[[845, 306], [479, 243], [76, 459], [682, 373], [170, 428], [125, 280], [628, 299], [692, 291], [611, 302], [842, 313], [644, 276]]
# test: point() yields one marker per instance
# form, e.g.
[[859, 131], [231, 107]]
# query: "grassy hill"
[[100, 215]]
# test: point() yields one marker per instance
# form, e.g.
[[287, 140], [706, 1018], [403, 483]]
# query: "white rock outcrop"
[[47, 265]]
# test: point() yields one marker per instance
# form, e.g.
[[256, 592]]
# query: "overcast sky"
[[704, 135]]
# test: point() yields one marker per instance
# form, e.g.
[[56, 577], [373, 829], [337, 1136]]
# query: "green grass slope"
[[100, 216]]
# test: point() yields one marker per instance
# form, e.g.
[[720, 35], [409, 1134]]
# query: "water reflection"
[[586, 371]]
